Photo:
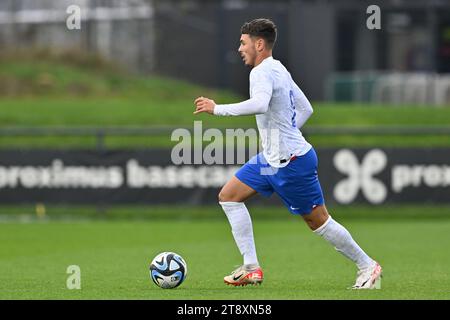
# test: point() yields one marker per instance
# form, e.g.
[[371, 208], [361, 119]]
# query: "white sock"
[[343, 242], [242, 229]]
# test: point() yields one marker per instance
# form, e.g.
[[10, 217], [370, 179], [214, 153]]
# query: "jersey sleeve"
[[258, 104], [260, 82], [302, 105], [261, 87]]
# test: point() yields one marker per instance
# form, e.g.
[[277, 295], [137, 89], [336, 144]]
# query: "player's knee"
[[225, 197], [316, 218], [313, 225], [221, 197]]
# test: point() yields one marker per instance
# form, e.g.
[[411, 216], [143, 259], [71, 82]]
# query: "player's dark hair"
[[261, 28]]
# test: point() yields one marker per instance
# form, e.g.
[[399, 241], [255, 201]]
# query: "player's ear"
[[260, 44]]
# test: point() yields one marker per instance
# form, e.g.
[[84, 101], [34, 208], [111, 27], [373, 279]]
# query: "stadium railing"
[[100, 133]]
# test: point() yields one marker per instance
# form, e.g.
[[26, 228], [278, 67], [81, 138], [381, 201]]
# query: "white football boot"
[[369, 278], [243, 276]]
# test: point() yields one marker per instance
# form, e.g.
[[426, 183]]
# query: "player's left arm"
[[303, 107]]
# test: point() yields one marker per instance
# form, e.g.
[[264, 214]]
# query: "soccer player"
[[287, 165]]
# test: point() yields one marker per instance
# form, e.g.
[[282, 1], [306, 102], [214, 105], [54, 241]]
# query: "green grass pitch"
[[114, 258]]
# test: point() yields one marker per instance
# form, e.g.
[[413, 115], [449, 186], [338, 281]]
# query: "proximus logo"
[[360, 176]]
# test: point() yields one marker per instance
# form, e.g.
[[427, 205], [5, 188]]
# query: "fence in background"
[[389, 88], [121, 31], [100, 133]]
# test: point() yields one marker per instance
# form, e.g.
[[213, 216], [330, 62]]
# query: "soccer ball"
[[168, 270]]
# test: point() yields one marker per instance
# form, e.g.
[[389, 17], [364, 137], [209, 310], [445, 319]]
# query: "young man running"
[[287, 165]]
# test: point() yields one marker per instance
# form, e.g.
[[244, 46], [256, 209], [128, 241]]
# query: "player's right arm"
[[258, 104], [261, 86]]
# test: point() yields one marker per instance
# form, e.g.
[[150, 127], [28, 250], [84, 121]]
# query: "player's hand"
[[203, 104]]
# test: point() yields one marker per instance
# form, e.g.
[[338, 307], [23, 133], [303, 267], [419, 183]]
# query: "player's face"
[[247, 50]]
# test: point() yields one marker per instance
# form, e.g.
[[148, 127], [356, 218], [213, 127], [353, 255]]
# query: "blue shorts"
[[297, 184]]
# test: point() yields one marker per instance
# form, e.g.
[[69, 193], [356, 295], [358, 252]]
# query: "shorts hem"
[[305, 212], [265, 194]]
